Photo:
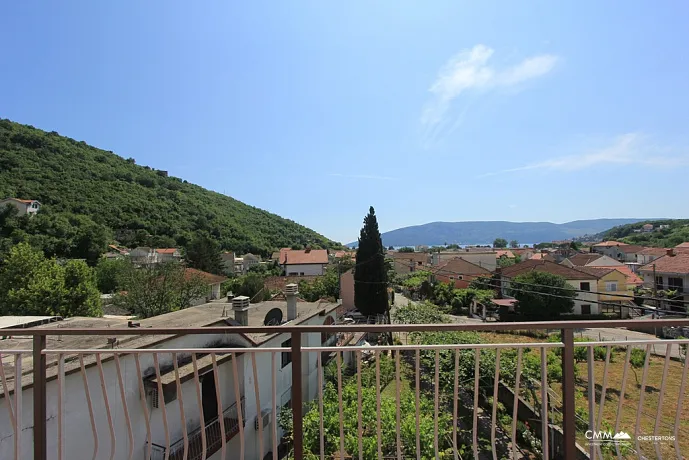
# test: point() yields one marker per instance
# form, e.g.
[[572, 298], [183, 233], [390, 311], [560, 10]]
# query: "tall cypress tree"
[[370, 275]]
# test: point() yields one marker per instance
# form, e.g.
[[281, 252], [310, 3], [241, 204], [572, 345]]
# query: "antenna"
[[273, 317]]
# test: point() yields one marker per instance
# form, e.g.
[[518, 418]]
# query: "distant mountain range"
[[484, 232]]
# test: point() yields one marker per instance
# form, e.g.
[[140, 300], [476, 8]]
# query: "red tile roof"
[[545, 266], [678, 263], [208, 277], [303, 256], [653, 252], [458, 266], [632, 248], [632, 278], [166, 250], [506, 253], [683, 245], [584, 259]]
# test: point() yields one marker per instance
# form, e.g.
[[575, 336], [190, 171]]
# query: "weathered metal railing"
[[134, 402]]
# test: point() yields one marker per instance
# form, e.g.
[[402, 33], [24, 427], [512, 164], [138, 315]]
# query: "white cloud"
[[627, 149], [363, 176], [469, 70]]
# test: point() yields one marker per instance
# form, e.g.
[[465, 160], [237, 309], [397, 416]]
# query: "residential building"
[[458, 272], [409, 262], [168, 255], [585, 302], [611, 288], [227, 262], [303, 262], [24, 207], [669, 272], [608, 248], [591, 259], [646, 228], [629, 252], [214, 283], [648, 255], [239, 265], [249, 260], [485, 258], [143, 255], [682, 246], [145, 390]]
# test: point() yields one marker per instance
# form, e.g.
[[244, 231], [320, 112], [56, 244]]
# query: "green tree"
[[153, 291], [110, 274], [500, 243], [542, 296], [514, 244], [81, 296], [370, 276], [30, 284], [406, 249], [203, 253], [250, 285]]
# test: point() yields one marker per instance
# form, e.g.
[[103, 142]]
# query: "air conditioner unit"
[[264, 417]]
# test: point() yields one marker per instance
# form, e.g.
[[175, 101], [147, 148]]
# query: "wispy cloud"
[[363, 176], [629, 148], [469, 70]]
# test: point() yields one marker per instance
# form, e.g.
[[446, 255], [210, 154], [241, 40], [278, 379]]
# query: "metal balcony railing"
[[205, 440], [411, 400]]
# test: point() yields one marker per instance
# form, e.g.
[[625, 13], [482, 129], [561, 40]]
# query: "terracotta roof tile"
[[303, 256], [166, 250], [584, 259], [653, 252], [208, 277], [683, 245], [678, 263], [459, 266], [545, 266], [632, 278]]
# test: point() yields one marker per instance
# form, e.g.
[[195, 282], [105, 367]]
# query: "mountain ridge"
[[83, 187], [484, 232]]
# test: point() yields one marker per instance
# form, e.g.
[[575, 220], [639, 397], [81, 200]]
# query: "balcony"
[[206, 439], [477, 390]]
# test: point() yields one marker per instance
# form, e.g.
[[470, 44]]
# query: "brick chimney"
[[291, 291], [670, 252], [240, 306]]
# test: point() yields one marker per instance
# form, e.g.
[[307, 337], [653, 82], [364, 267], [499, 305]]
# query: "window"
[[659, 283], [586, 309], [585, 287], [460, 277], [452, 277], [675, 284], [611, 286], [301, 273], [286, 355]]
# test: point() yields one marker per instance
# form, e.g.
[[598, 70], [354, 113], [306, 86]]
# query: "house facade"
[[648, 255], [24, 207], [458, 272], [487, 259], [585, 302], [669, 272], [409, 262], [249, 260], [151, 396], [168, 255], [304, 262]]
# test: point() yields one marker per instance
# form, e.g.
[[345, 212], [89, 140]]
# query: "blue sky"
[[429, 111]]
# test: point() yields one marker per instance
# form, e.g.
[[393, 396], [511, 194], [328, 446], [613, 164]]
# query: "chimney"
[[240, 305], [291, 291], [670, 252]]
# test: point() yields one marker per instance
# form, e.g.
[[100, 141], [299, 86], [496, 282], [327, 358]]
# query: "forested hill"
[[90, 195], [677, 233]]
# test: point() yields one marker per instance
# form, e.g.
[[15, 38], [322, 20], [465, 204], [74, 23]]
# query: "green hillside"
[[665, 238], [91, 195]]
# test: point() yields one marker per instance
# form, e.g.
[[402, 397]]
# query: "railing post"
[[297, 403], [39, 398], [568, 386]]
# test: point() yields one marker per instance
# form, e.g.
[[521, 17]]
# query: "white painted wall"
[[79, 440], [306, 269]]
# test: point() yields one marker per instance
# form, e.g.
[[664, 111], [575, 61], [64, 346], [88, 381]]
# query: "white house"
[[24, 207], [585, 303], [669, 272], [249, 260], [306, 262], [648, 255], [214, 283], [143, 255], [153, 396], [168, 255]]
